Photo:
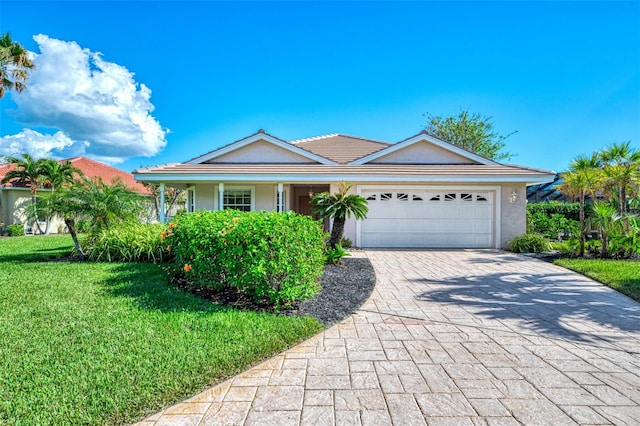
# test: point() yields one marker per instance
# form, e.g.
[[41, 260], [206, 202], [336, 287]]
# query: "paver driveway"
[[450, 337]]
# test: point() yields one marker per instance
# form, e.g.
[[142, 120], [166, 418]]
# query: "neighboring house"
[[422, 192], [14, 199]]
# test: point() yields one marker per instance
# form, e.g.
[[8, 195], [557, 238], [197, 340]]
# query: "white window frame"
[[252, 189], [190, 202]]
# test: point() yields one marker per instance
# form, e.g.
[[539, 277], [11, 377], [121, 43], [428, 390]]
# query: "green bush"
[[335, 255], [569, 210], [16, 230], [129, 242], [529, 243], [554, 226], [270, 256]]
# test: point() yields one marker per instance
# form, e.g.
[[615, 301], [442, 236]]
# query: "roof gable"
[[423, 149], [250, 149], [340, 148]]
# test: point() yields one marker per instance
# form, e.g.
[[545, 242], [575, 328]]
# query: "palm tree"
[[14, 65], [582, 180], [57, 175], [606, 219], [621, 171], [107, 204], [28, 171], [339, 207]]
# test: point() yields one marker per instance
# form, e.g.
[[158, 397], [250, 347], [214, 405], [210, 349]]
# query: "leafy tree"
[[339, 207], [28, 171], [582, 180], [14, 65], [473, 132], [621, 172], [172, 197]]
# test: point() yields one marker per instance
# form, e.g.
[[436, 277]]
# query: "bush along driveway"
[[454, 337]]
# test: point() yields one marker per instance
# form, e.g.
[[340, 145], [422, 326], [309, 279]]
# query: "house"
[[14, 198], [422, 192]]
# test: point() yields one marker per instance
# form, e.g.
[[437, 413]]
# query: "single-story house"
[[14, 198], [422, 192]]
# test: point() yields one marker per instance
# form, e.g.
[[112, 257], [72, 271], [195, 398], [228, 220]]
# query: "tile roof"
[[365, 172], [340, 148], [91, 169]]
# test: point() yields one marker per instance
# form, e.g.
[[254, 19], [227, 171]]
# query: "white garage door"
[[429, 219]]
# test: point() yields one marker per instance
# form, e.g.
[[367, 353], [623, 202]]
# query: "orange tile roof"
[[91, 169]]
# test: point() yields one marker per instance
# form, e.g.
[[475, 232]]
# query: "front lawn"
[[98, 343], [621, 275]]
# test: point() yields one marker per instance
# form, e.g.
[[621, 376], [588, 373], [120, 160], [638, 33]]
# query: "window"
[[386, 196], [435, 198], [481, 198], [450, 197], [371, 197], [466, 197], [237, 199], [191, 200], [402, 196], [276, 199], [417, 198]]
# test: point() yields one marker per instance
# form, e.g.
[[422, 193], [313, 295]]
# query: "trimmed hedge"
[[270, 256], [129, 242], [568, 210], [15, 230]]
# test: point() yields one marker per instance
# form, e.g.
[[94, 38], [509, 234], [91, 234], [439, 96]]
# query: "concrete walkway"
[[461, 337]]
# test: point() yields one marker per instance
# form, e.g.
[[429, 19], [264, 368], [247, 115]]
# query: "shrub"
[[346, 242], [554, 226], [335, 255], [129, 242], [569, 210], [270, 256], [529, 243], [15, 230]]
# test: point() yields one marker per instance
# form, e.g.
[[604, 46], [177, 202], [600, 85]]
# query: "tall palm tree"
[[28, 171], [14, 65], [57, 175], [621, 171], [339, 207], [582, 180]]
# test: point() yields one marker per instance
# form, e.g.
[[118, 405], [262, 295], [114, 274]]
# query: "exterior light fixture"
[[513, 197], [310, 191]]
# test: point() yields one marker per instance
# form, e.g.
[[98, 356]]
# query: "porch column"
[[163, 219], [280, 197], [221, 196]]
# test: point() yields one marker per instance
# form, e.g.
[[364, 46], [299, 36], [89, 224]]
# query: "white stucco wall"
[[423, 153], [513, 216], [260, 152]]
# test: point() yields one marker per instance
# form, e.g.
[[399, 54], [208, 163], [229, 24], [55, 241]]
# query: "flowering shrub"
[[274, 257]]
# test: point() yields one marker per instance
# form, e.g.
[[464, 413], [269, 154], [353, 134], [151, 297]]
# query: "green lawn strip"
[[97, 343], [621, 275]]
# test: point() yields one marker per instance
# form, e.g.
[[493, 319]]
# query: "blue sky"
[[174, 80]]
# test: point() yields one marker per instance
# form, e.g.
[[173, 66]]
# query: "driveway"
[[449, 337]]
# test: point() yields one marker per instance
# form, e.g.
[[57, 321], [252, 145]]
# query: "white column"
[[161, 206], [221, 196], [280, 197]]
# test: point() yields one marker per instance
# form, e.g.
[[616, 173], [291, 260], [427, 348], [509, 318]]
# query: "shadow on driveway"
[[559, 304]]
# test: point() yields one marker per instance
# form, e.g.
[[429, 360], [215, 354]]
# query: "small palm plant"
[[339, 207]]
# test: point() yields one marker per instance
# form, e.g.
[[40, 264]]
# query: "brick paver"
[[449, 337]]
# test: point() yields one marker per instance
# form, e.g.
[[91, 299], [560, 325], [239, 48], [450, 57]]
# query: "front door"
[[304, 206]]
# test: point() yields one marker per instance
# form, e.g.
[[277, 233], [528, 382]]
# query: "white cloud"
[[36, 144], [95, 103]]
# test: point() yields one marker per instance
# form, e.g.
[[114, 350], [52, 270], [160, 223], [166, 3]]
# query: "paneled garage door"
[[429, 219]]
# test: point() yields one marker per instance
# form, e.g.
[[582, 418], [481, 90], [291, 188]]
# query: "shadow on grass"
[[555, 304], [146, 284], [38, 255]]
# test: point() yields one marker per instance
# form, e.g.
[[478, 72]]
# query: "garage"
[[428, 218]]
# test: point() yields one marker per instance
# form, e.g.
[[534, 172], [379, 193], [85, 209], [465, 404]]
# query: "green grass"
[[98, 343], [621, 275]]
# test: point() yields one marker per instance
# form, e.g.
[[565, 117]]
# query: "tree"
[[14, 65], [472, 132], [172, 196], [57, 175], [28, 171], [621, 172], [339, 207], [91, 199], [582, 180], [605, 218]]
